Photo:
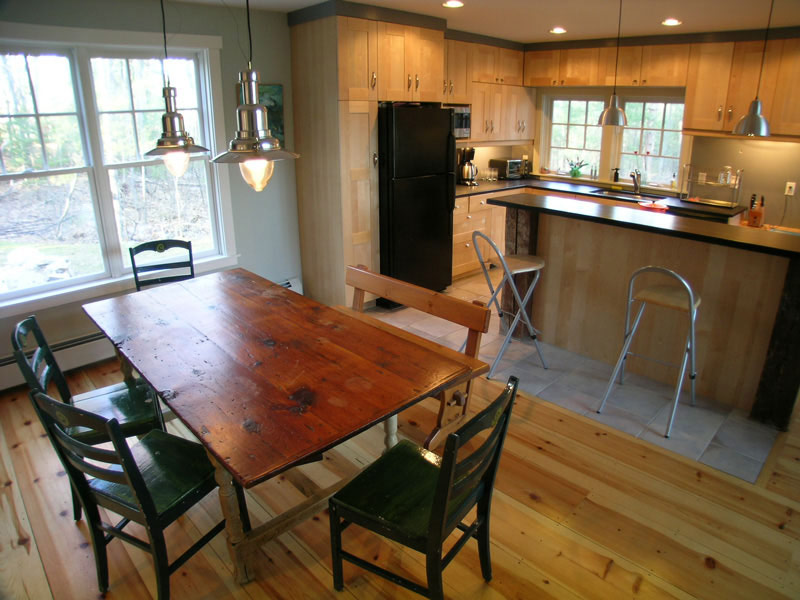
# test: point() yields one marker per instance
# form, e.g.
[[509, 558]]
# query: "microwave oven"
[[461, 121], [507, 168]]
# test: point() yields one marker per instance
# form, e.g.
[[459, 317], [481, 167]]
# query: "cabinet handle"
[[502, 80], [492, 122], [483, 202], [719, 113], [409, 82], [469, 216], [444, 88], [524, 125], [485, 126], [497, 80], [466, 245], [730, 112], [644, 81], [374, 159], [451, 86], [562, 82], [417, 85], [555, 82], [374, 80], [635, 82]]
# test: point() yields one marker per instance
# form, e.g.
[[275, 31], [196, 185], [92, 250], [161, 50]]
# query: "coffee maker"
[[467, 172]]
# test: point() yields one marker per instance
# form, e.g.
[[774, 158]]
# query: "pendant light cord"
[[764, 51], [249, 36], [166, 56], [616, 62]]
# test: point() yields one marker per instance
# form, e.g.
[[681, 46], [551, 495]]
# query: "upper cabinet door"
[[578, 66], [626, 71], [665, 65], [484, 63], [425, 62], [394, 78], [745, 73], [459, 73], [785, 111], [358, 59], [707, 85], [541, 68], [509, 66]]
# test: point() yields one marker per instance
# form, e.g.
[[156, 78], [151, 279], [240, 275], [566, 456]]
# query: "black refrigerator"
[[416, 149]]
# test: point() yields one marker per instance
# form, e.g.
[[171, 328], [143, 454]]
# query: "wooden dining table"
[[267, 380]]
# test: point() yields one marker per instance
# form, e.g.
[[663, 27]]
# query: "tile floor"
[[714, 435]]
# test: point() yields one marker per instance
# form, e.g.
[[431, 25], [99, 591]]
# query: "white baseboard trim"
[[69, 358]]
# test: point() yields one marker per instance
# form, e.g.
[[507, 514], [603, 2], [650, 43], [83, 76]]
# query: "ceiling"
[[529, 21]]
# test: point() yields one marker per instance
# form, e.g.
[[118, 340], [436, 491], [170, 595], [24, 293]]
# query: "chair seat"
[[396, 492], [669, 296], [173, 469], [523, 263], [135, 413]]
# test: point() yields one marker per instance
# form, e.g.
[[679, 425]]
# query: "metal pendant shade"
[[754, 123], [175, 144], [253, 146], [613, 115]]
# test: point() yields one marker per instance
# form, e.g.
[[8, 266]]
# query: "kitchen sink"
[[625, 195]]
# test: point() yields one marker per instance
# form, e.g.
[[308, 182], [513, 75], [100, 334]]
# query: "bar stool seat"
[[676, 297], [513, 264]]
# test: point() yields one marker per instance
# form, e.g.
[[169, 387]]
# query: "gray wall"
[[265, 224], [767, 167]]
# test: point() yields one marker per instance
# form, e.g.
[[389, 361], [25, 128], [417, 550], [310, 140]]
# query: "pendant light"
[[614, 115], [754, 123], [175, 145], [253, 146]]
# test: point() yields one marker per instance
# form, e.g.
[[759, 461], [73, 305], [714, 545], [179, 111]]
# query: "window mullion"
[[101, 188], [46, 164]]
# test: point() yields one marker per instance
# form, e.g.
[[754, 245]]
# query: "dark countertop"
[[626, 214], [675, 205]]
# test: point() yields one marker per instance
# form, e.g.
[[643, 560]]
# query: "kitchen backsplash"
[[767, 167]]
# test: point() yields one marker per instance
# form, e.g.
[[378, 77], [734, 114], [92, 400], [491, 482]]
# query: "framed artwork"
[[271, 96]]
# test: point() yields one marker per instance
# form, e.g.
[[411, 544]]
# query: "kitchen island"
[[748, 331]]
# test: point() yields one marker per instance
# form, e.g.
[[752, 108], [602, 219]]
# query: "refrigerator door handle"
[[451, 192]]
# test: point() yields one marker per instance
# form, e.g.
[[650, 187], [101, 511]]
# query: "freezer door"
[[423, 142], [418, 219]]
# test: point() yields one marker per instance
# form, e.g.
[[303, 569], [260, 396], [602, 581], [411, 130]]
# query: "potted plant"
[[575, 167]]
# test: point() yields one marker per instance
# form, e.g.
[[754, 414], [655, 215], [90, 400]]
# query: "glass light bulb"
[[257, 172], [176, 162]]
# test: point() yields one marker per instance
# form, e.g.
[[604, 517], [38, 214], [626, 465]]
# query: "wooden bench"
[[472, 315]]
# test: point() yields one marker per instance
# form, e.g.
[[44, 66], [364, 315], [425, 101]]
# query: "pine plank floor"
[[580, 511]]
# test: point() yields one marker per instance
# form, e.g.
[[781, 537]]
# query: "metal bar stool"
[[672, 296], [513, 264]]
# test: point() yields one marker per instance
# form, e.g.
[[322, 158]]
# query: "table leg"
[[234, 527], [390, 432]]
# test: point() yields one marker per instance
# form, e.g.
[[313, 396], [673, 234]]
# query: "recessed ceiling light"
[[453, 4], [671, 22], [558, 30]]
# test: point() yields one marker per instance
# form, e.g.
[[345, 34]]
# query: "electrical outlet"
[[789, 191]]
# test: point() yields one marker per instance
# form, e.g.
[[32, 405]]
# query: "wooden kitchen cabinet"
[[572, 67], [474, 213], [357, 59], [491, 64], [785, 109], [518, 112], [410, 63], [487, 112], [707, 85], [661, 65], [744, 76], [458, 81]]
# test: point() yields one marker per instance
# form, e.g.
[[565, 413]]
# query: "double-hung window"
[[75, 188], [651, 142]]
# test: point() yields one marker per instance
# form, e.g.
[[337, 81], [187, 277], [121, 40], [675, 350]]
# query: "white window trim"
[[45, 35]]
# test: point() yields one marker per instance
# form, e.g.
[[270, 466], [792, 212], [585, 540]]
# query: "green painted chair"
[[416, 498], [136, 408], [151, 483], [165, 271]]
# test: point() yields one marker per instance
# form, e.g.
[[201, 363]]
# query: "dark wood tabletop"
[[265, 377]]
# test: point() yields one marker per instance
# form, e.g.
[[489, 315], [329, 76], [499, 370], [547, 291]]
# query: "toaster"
[[507, 168]]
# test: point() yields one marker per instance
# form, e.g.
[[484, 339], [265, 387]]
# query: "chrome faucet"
[[637, 180]]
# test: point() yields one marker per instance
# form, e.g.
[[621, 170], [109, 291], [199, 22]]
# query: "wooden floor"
[[580, 511]]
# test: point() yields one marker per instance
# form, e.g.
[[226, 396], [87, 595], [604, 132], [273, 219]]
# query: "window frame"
[[80, 44]]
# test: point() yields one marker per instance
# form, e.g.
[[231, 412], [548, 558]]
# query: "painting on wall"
[[271, 96]]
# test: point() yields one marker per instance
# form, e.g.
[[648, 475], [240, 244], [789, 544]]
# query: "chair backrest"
[[167, 271], [691, 298], [36, 360], [472, 315], [125, 492], [466, 476]]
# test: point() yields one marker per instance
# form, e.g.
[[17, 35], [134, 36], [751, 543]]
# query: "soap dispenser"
[[615, 175]]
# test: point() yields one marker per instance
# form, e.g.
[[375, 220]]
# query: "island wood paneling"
[[580, 303], [580, 511]]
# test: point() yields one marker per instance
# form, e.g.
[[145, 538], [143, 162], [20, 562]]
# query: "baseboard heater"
[[58, 346]]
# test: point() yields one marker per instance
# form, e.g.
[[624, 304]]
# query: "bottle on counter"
[[673, 182], [615, 175], [756, 217]]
